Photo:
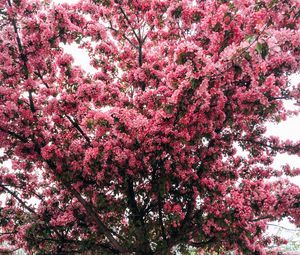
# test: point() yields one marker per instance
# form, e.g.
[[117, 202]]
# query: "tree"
[[142, 156]]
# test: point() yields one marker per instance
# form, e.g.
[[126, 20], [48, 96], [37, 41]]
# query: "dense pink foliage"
[[141, 156]]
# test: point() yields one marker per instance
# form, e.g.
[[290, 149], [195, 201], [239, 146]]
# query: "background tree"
[[141, 157]]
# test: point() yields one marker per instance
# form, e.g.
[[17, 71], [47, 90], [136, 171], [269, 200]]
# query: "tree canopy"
[[143, 156]]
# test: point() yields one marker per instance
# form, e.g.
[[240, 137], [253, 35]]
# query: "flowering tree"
[[141, 156]]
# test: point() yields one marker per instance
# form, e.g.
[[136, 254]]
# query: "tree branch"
[[89, 208], [140, 45], [23, 58], [73, 122], [15, 135], [161, 223], [288, 229], [129, 24], [9, 251], [137, 217], [125, 36], [38, 73], [204, 243], [14, 194], [76, 125]]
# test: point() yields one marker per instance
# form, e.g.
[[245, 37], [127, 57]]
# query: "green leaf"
[[247, 56], [262, 49], [197, 17], [237, 69], [262, 78], [90, 123], [169, 108], [17, 2], [259, 5], [177, 13], [184, 57], [231, 6], [250, 38], [272, 3], [195, 83], [217, 27]]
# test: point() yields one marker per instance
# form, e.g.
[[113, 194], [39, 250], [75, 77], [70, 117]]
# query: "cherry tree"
[[143, 155]]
